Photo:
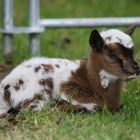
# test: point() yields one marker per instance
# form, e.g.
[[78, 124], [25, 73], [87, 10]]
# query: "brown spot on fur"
[[48, 86], [7, 96], [42, 82], [38, 97], [37, 69], [16, 87], [47, 82], [25, 103], [21, 82], [48, 67], [57, 65], [7, 87]]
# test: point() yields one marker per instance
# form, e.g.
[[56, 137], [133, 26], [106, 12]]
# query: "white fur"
[[89, 106], [106, 78], [39, 105], [117, 36], [132, 76], [26, 72]]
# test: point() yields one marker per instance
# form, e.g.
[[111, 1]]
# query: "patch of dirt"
[[5, 70]]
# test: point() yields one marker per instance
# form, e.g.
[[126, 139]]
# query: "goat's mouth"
[[131, 77]]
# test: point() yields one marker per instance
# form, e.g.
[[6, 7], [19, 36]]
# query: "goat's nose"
[[136, 67], [138, 71]]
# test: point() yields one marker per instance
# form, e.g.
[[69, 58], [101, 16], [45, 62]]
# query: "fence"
[[37, 26]]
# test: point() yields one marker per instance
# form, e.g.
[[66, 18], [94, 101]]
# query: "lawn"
[[50, 123]]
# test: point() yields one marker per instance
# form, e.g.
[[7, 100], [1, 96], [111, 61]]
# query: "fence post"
[[7, 25], [34, 17]]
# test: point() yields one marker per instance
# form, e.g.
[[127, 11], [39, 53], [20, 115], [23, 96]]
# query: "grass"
[[50, 123]]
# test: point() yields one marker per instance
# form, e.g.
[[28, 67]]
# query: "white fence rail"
[[37, 25]]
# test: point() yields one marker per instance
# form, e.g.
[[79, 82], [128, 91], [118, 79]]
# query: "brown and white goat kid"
[[85, 84]]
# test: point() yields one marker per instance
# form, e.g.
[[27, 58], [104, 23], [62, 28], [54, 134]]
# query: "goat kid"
[[88, 84]]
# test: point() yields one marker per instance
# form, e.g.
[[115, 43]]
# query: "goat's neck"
[[107, 90], [97, 74]]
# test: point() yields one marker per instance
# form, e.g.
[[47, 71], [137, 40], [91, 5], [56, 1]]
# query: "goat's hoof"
[[116, 109]]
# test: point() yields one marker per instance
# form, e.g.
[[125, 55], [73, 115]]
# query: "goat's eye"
[[113, 56], [110, 56]]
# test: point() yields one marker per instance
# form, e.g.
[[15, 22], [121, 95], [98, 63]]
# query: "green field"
[[50, 123]]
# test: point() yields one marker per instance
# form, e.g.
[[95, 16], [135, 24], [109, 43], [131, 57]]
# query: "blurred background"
[[72, 44], [67, 43]]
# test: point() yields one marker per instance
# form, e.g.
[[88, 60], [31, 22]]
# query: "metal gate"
[[37, 26]]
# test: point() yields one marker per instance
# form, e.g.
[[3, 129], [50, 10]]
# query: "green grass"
[[50, 123]]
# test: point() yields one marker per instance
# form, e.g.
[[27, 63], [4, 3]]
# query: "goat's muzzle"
[[134, 74], [137, 69]]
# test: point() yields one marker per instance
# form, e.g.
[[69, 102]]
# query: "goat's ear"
[[96, 41], [130, 30]]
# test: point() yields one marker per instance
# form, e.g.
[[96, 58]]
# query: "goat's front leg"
[[77, 104], [65, 106], [113, 102]]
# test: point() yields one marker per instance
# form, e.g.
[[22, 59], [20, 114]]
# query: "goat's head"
[[116, 52]]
